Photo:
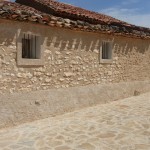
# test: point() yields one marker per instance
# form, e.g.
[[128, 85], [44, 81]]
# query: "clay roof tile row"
[[53, 13]]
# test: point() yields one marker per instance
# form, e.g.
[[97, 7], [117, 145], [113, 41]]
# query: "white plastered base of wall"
[[24, 107]]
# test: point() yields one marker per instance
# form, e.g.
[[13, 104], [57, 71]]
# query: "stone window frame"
[[30, 62], [100, 52]]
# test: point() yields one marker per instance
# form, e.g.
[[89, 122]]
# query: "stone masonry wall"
[[71, 59]]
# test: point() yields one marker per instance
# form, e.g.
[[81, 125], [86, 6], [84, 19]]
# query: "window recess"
[[30, 47], [106, 54]]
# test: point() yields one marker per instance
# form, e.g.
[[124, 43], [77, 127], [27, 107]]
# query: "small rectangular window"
[[106, 50], [30, 47]]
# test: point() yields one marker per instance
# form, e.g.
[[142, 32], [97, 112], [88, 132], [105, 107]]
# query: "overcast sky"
[[133, 11]]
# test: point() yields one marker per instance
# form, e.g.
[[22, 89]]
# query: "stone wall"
[[71, 59]]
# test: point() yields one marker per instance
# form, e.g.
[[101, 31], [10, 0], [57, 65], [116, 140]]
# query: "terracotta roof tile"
[[57, 14], [68, 11]]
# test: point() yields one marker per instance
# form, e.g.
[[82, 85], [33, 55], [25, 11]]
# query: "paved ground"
[[121, 125]]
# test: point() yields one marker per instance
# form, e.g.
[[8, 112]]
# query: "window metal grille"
[[106, 50], [29, 47]]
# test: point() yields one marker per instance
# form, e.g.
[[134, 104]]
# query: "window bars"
[[29, 46], [106, 50]]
